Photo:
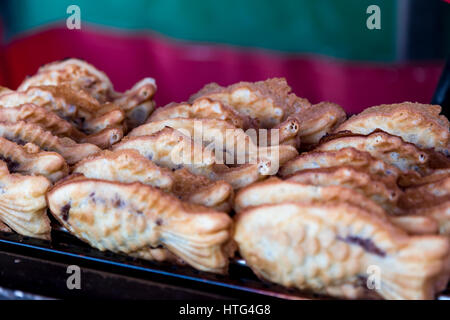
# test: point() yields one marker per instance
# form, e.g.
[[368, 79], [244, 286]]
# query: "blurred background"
[[322, 47]]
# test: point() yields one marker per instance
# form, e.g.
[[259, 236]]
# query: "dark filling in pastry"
[[11, 164], [18, 141], [118, 203], [65, 212], [366, 244]]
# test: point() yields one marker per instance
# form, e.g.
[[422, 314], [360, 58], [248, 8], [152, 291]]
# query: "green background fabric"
[[324, 27]]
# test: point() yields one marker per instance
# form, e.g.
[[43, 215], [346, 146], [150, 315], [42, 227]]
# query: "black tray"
[[40, 266]]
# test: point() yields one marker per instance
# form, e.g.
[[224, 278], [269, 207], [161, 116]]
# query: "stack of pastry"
[[308, 198], [372, 195], [61, 115]]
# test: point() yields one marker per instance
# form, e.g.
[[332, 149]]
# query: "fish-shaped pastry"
[[51, 122], [29, 159], [386, 195], [130, 166], [125, 166], [237, 146], [407, 157], [343, 157], [23, 133], [137, 102], [417, 123], [268, 103], [134, 218], [202, 108], [171, 149], [274, 190], [76, 107], [340, 250], [22, 203]]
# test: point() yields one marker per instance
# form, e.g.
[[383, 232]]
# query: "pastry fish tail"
[[418, 271], [200, 239]]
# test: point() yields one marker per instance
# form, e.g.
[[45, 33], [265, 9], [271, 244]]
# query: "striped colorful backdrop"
[[322, 47]]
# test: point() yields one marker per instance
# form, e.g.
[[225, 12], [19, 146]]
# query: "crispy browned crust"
[[169, 148], [137, 102], [426, 195], [74, 72], [227, 141], [24, 132], [126, 166], [203, 191], [343, 157], [318, 120], [288, 133], [440, 212], [22, 203], [131, 218], [417, 123], [104, 138], [408, 158], [202, 108], [51, 122], [359, 180], [46, 119], [274, 191], [77, 107], [289, 243], [30, 160], [268, 102]]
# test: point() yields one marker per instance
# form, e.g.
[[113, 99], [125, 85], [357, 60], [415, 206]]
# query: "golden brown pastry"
[[317, 121], [335, 249], [359, 180], [200, 190], [431, 200], [49, 121], [137, 102], [133, 218], [28, 159], [343, 157], [417, 123], [409, 159], [77, 107], [130, 166], [267, 102], [202, 108], [22, 203], [171, 149], [231, 145], [23, 133], [125, 166], [274, 190], [46, 119]]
